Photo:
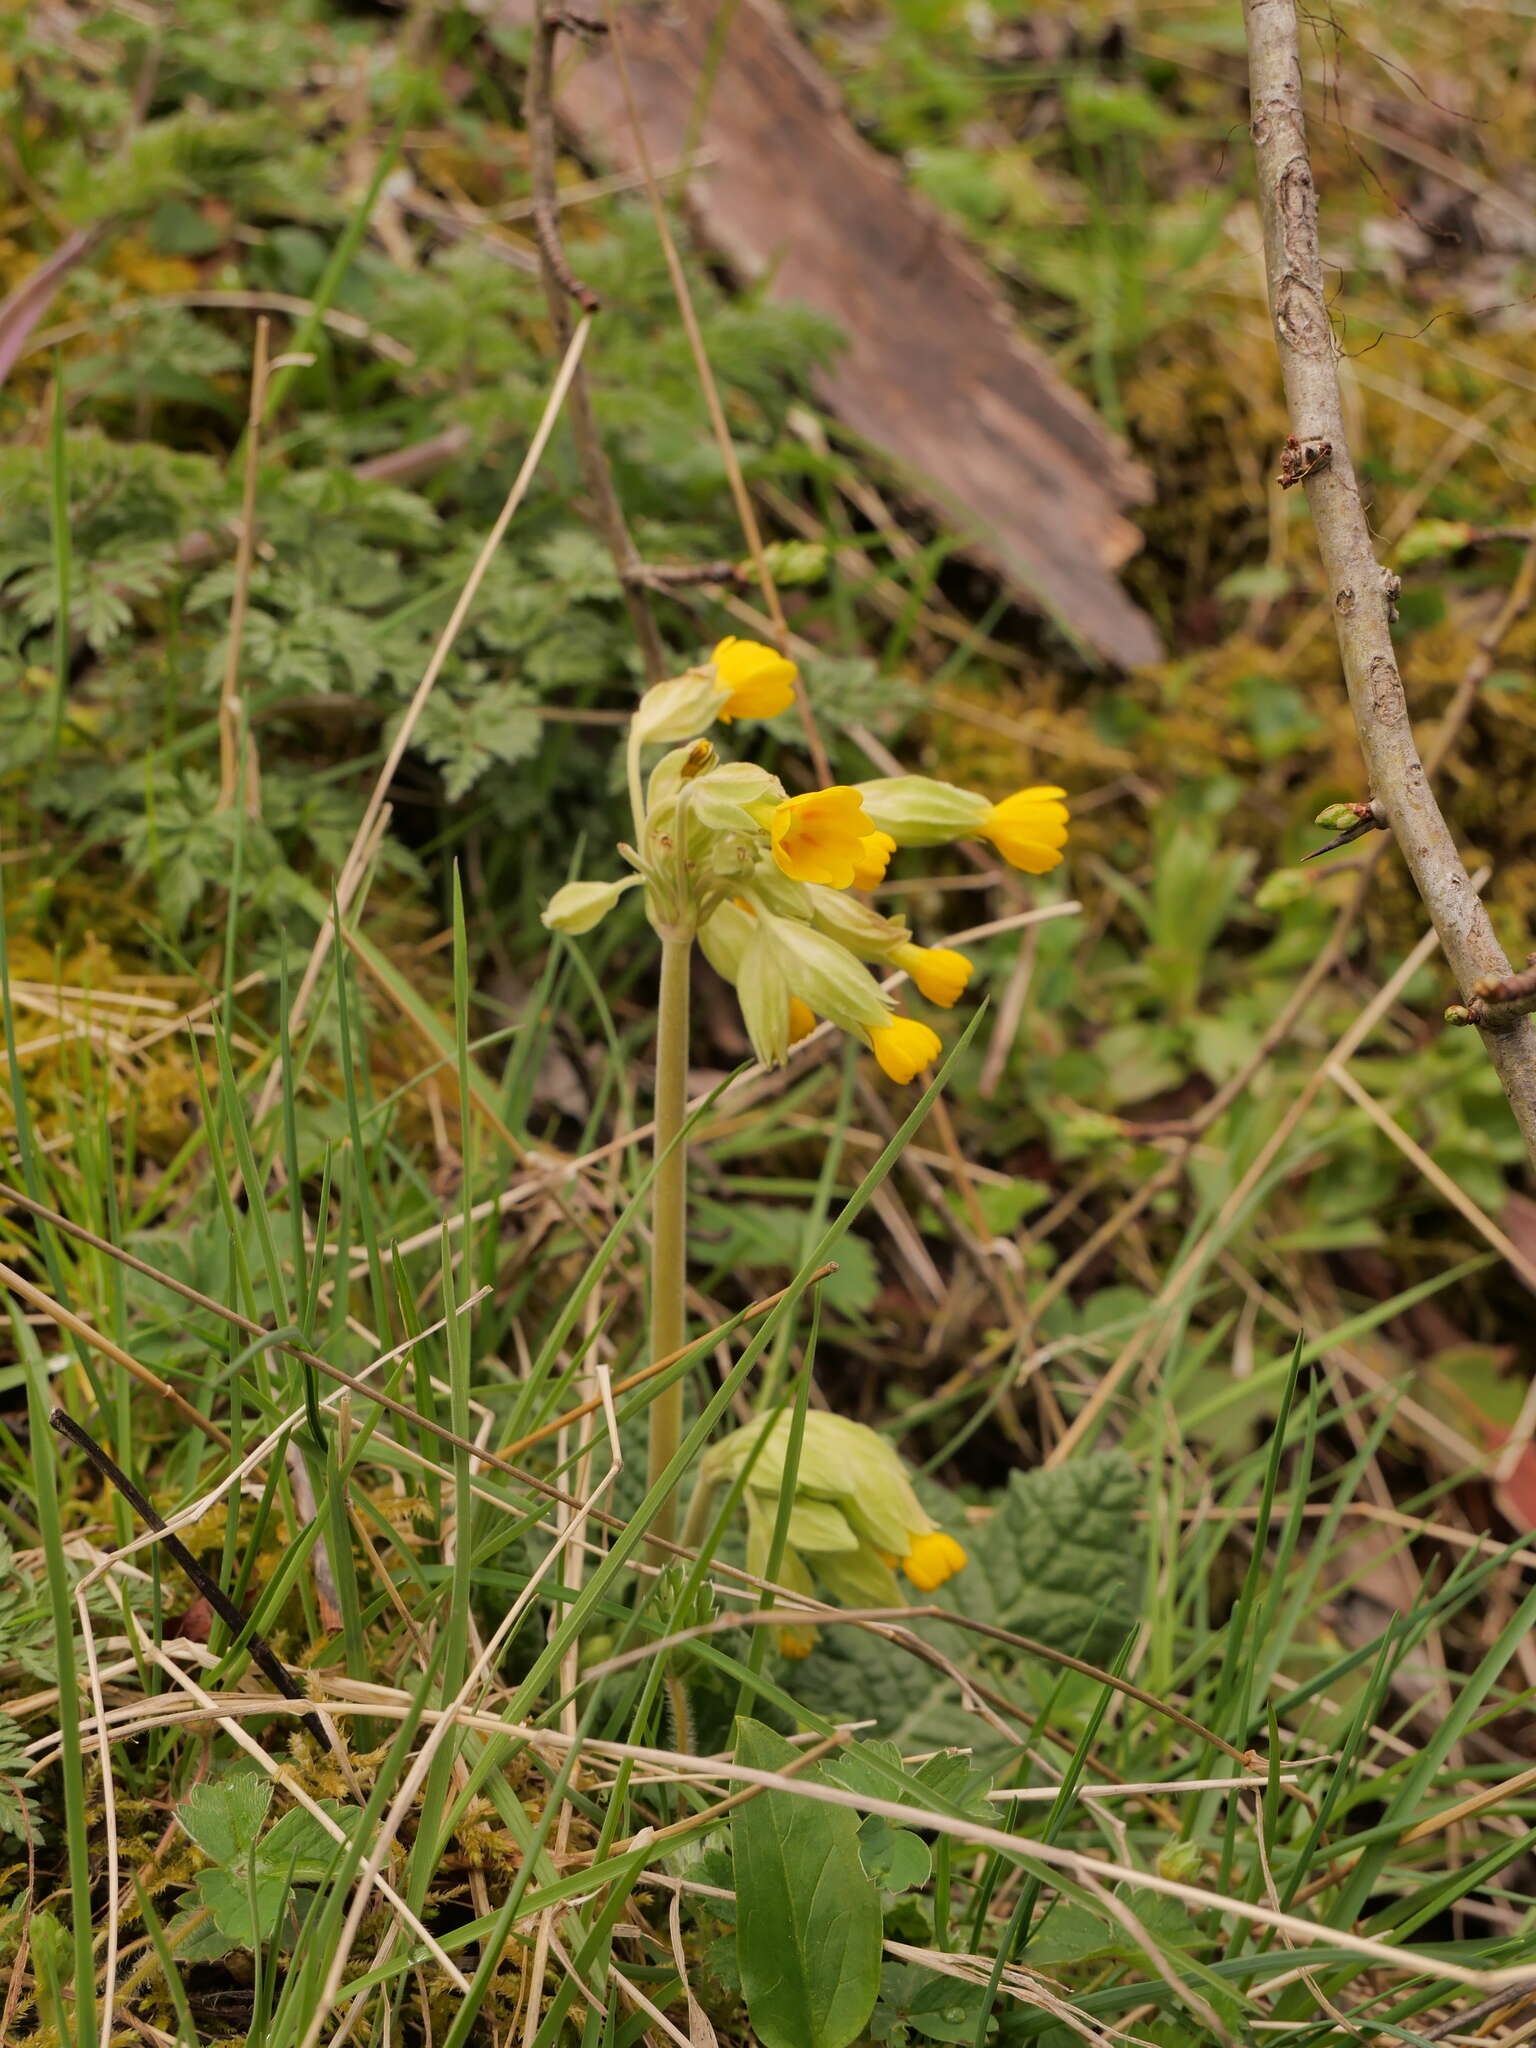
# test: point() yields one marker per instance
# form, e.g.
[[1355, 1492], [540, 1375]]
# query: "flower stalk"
[[669, 1216]]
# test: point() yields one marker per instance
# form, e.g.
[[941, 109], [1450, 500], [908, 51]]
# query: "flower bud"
[[579, 906], [1181, 1862], [723, 799], [683, 764], [1340, 817]]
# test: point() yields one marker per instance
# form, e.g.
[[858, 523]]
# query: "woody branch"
[[1361, 589]]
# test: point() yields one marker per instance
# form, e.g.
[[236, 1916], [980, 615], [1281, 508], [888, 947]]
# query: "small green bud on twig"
[[1349, 821]]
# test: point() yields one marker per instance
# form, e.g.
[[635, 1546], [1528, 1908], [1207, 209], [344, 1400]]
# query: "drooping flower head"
[[854, 1520]]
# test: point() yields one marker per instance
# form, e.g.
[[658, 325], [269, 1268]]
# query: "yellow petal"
[[1029, 828], [819, 837], [933, 1558], [904, 1047], [758, 682], [874, 857], [797, 1642], [939, 972], [802, 1020]]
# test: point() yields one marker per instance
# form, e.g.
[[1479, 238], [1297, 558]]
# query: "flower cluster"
[[762, 878], [853, 1520]]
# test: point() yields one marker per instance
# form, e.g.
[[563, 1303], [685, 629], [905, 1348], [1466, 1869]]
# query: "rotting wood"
[[934, 379]]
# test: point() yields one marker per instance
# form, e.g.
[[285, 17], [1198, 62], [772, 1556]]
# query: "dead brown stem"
[[1360, 590], [561, 287]]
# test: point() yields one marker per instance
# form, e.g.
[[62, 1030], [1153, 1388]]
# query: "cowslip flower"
[[855, 1518], [819, 837], [756, 681], [939, 971], [1029, 828], [904, 1047], [741, 679]]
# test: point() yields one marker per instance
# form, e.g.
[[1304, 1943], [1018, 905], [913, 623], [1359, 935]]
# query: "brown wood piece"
[[934, 378]]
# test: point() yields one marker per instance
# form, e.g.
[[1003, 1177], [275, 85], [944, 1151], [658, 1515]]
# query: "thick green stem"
[[669, 1214], [636, 787]]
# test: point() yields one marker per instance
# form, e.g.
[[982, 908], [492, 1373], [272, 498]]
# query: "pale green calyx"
[[724, 799], [917, 811], [842, 1464], [677, 710], [724, 937], [824, 974], [763, 993], [854, 923]]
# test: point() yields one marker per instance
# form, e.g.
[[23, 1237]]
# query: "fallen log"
[[935, 378]]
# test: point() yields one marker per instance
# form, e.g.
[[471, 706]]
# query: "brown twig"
[[1498, 1001], [561, 289], [262, 1654], [1360, 592], [684, 575]]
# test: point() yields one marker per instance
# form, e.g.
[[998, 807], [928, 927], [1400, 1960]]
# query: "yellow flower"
[[819, 837], [874, 857], [1029, 828], [904, 1047], [797, 1642], [756, 681], [939, 971], [802, 1020], [933, 1558]]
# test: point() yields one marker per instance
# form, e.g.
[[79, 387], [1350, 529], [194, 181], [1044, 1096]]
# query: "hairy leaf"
[[1058, 1561]]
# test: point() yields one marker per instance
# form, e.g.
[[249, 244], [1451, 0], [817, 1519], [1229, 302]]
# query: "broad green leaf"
[[895, 1858], [925, 2005], [224, 1816], [249, 1892], [808, 1926], [1060, 1560]]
